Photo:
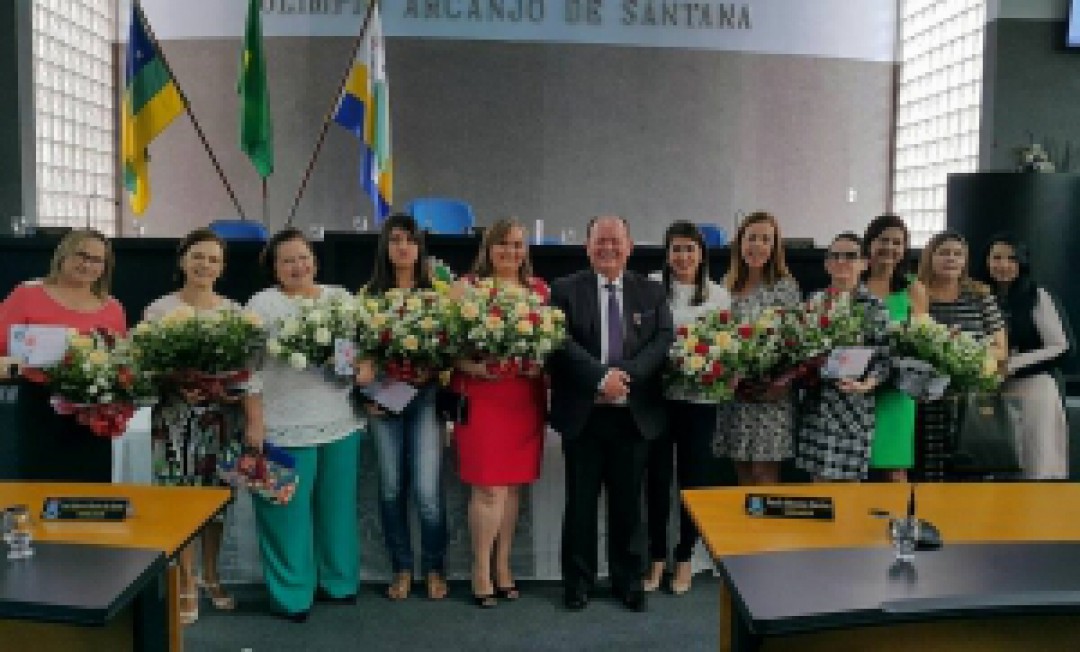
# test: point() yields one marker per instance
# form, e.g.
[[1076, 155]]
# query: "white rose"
[[106, 398], [322, 336], [274, 347], [92, 390], [298, 360], [316, 317], [289, 327]]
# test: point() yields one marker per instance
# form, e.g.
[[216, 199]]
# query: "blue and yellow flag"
[[151, 101], [364, 109]]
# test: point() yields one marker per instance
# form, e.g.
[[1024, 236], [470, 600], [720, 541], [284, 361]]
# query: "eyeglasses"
[[843, 255], [89, 259]]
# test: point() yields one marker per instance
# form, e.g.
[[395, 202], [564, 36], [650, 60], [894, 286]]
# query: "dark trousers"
[[610, 453], [688, 441]]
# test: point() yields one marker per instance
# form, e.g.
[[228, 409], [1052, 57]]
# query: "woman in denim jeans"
[[409, 445]]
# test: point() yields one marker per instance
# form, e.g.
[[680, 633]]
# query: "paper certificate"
[[37, 346], [849, 362], [344, 357], [391, 395]]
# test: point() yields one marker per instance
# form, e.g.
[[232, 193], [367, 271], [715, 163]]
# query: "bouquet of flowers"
[[199, 350], [98, 382], [270, 473], [930, 356], [759, 353], [412, 333], [509, 328], [810, 331], [306, 340], [704, 360]]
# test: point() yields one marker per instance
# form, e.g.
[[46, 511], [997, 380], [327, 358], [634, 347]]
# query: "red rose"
[[717, 368], [494, 292], [496, 311], [385, 337], [701, 349], [683, 331], [790, 343], [824, 321], [708, 379], [746, 331], [723, 316], [534, 319], [125, 377]]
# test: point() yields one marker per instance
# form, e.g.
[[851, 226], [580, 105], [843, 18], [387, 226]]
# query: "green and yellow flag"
[[151, 102], [256, 129]]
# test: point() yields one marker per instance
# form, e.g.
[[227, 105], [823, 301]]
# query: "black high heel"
[[507, 592], [485, 601]]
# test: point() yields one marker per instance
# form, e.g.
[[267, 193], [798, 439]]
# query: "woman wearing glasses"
[[74, 295], [838, 416]]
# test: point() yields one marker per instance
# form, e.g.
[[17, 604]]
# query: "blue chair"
[[234, 230], [715, 236], [439, 215]]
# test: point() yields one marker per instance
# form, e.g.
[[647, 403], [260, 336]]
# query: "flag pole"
[[187, 108], [330, 114]]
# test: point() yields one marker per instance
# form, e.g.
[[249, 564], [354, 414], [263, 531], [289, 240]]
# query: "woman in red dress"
[[500, 443]]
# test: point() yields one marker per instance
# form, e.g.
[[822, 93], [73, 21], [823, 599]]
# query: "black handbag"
[[986, 435], [451, 406]]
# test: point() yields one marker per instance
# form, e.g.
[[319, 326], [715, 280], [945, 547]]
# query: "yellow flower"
[[427, 324], [411, 343], [251, 318], [440, 286], [378, 320], [521, 309], [470, 311], [990, 366], [922, 319], [695, 363], [81, 342], [97, 356], [722, 339], [690, 342], [494, 323], [547, 327], [413, 304], [372, 305], [525, 327], [181, 313], [142, 328]]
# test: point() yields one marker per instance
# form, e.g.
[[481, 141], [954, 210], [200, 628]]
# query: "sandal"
[[436, 586], [507, 592], [684, 575], [485, 601], [400, 587], [190, 614], [654, 577], [218, 597]]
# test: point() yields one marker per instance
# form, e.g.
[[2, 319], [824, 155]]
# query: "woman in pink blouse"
[[75, 294]]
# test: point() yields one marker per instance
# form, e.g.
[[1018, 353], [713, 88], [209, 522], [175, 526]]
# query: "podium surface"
[[968, 513]]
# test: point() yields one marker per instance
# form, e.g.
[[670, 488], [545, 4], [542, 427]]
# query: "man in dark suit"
[[606, 402]]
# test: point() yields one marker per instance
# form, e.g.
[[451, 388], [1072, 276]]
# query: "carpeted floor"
[[537, 621]]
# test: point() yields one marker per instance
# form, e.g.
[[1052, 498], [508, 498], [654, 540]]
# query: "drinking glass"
[[903, 532], [19, 535]]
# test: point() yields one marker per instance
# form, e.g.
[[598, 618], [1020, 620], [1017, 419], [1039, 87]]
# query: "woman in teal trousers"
[[309, 546]]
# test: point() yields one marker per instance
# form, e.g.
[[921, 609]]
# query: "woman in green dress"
[[885, 246]]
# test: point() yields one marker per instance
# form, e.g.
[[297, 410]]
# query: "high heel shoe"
[[189, 608], [510, 593], [218, 597], [400, 587], [684, 575], [485, 601], [436, 586], [652, 580]]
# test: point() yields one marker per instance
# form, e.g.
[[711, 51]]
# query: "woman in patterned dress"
[[757, 435], [189, 431], [838, 416], [500, 444]]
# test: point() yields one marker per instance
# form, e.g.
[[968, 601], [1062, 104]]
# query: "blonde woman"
[[757, 436]]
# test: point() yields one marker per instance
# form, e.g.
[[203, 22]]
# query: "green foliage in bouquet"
[[816, 327], [965, 359], [507, 325], [208, 343], [96, 371], [704, 361]]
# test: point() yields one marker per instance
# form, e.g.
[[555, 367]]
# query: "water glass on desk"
[[903, 533], [17, 532]]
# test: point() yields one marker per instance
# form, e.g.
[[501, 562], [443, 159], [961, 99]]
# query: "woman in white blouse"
[[309, 546], [691, 420], [1037, 342]]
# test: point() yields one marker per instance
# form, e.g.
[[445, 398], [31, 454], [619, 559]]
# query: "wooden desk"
[[74, 598], [165, 519], [964, 512]]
